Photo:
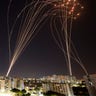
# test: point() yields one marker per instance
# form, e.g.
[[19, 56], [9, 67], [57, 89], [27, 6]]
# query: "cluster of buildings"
[[8, 83], [56, 83]]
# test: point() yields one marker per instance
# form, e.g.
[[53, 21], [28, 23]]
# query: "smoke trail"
[[66, 11]]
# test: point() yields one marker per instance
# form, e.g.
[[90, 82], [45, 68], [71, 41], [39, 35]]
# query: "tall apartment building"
[[8, 83]]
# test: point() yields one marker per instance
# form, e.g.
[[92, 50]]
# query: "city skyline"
[[42, 56]]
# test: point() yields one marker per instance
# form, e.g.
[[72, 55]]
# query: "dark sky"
[[42, 56]]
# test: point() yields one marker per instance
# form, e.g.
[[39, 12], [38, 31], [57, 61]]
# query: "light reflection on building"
[[56, 83]]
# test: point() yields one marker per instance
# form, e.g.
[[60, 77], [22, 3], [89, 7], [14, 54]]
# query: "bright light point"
[[41, 95], [72, 8], [55, 5], [3, 90], [67, 3], [69, 12], [6, 94], [82, 7], [62, 5], [78, 14]]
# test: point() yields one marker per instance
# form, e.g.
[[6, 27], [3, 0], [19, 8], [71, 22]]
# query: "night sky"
[[43, 57]]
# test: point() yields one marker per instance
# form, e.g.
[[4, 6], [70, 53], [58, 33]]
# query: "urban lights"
[[7, 94]]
